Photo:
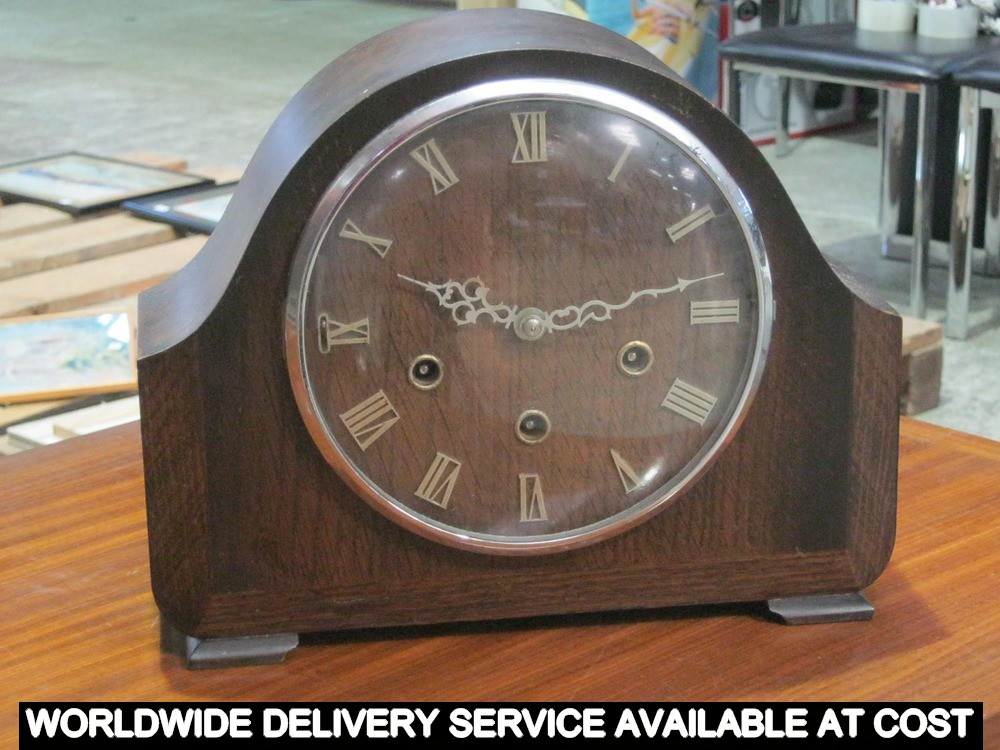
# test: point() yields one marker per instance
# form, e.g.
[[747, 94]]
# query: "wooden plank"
[[154, 159], [96, 418], [11, 413], [22, 218], [78, 242], [922, 380], [130, 304], [95, 281], [920, 334], [6, 447], [221, 174], [56, 428]]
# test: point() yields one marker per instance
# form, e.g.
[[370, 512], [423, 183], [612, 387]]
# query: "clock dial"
[[527, 316]]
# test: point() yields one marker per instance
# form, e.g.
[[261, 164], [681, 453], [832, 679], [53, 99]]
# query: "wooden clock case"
[[254, 539]]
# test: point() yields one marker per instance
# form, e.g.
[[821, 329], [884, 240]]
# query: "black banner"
[[804, 724]]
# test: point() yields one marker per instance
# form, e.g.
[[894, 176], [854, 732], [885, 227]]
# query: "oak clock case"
[[507, 325]]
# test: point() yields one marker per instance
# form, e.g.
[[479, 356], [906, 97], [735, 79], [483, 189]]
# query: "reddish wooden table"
[[79, 624]]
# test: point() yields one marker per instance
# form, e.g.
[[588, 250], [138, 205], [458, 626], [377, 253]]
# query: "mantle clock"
[[508, 324]]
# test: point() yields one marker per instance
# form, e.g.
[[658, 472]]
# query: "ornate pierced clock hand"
[[576, 315], [467, 302]]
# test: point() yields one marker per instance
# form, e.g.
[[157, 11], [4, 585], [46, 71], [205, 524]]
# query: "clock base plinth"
[[211, 653], [811, 610]]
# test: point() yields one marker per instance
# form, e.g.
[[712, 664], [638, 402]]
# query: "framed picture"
[[64, 355], [76, 182], [195, 209]]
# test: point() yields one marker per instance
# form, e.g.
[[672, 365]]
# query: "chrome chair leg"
[[923, 198], [963, 216]]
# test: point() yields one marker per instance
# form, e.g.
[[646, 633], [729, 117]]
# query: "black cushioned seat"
[[840, 49], [895, 63], [980, 73]]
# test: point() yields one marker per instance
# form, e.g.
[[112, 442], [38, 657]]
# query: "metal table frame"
[[923, 178], [960, 260]]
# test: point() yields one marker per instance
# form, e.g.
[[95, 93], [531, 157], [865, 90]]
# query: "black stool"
[[889, 62]]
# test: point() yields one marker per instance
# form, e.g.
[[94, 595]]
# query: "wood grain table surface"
[[78, 621]]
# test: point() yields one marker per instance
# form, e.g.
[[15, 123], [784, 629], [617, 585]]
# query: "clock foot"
[[808, 610], [212, 653]]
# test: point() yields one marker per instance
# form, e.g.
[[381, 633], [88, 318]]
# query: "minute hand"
[[576, 315]]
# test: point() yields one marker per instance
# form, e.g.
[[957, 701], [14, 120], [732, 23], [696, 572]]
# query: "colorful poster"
[[684, 34]]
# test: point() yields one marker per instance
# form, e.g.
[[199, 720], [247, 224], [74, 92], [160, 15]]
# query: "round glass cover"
[[527, 316]]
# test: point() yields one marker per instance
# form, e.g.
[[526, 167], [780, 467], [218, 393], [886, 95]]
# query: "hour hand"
[[467, 300]]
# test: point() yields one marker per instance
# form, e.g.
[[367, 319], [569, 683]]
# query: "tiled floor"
[[204, 79]]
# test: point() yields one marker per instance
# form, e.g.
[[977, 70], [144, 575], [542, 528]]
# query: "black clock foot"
[[808, 610], [212, 653]]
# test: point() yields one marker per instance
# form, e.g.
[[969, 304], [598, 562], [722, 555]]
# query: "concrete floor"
[[204, 79], [198, 78]]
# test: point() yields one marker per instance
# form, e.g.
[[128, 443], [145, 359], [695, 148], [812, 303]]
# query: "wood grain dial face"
[[527, 316]]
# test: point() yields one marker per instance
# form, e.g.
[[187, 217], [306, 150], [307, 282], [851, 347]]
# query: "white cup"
[[886, 15], [948, 23]]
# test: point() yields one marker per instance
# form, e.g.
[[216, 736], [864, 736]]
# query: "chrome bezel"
[[411, 126]]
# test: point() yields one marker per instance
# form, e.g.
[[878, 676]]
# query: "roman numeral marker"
[[530, 130], [370, 419], [630, 480], [689, 223], [429, 157], [332, 333], [532, 498], [439, 481], [379, 245], [715, 311], [621, 163], [689, 401]]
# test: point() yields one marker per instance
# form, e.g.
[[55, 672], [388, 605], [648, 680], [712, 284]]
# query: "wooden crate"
[[51, 262], [921, 366]]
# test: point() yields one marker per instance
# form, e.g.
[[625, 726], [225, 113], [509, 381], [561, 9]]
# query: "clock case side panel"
[[878, 334], [828, 407], [250, 530]]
